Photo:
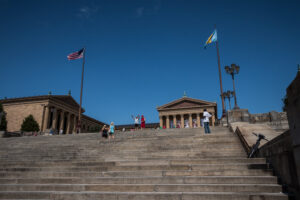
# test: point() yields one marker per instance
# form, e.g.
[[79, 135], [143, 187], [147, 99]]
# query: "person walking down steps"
[[206, 116]]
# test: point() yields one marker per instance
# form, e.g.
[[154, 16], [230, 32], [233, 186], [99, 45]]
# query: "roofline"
[[203, 106], [185, 98], [92, 119], [35, 98]]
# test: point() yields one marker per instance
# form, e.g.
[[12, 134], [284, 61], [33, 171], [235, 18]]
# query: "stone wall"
[[293, 112], [276, 120], [279, 153], [16, 113]]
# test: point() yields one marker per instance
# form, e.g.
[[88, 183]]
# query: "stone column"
[[68, 123], [174, 121], [198, 120], [74, 125], [161, 121], [54, 120], [213, 119], [168, 121], [190, 121], [182, 121], [46, 120], [62, 120]]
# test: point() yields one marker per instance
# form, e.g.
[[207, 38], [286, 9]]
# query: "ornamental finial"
[[184, 94]]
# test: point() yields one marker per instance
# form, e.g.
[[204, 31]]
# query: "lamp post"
[[232, 70], [229, 94]]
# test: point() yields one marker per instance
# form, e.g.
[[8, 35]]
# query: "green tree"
[[3, 124], [29, 124], [285, 103]]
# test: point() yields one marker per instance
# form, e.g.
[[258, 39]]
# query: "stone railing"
[[279, 153], [277, 120]]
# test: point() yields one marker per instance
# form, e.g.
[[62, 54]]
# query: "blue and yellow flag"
[[212, 38]]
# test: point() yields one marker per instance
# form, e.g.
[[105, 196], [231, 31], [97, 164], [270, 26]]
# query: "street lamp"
[[228, 94], [232, 70]]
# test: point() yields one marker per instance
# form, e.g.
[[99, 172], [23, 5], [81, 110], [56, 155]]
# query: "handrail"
[[246, 146]]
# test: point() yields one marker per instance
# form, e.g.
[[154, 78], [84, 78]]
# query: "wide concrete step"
[[133, 148], [154, 166], [146, 180], [88, 139], [133, 152], [88, 163], [149, 164], [117, 157], [269, 188], [142, 195], [48, 142], [157, 173]]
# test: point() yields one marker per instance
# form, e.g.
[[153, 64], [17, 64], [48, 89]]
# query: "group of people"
[[108, 132], [137, 121]]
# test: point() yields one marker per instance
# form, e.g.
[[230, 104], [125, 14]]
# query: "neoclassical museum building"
[[59, 112], [186, 112]]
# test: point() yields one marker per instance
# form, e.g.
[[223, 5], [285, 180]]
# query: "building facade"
[[186, 112], [57, 112]]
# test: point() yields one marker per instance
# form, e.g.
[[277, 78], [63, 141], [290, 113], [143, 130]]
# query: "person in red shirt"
[[143, 121]]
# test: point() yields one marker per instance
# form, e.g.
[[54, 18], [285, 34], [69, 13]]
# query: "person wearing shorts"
[[136, 121], [111, 131]]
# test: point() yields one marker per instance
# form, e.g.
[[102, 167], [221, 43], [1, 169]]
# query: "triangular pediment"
[[186, 102]]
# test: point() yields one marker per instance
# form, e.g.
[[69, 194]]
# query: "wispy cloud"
[[140, 11], [87, 11], [148, 9]]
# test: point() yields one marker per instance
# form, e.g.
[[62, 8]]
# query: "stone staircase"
[[181, 164]]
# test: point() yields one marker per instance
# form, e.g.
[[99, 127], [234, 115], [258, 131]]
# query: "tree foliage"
[[29, 124], [3, 124], [285, 103]]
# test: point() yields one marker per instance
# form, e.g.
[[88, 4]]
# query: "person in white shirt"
[[136, 121], [206, 116]]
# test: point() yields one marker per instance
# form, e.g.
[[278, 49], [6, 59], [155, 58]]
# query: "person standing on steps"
[[104, 131], [136, 121], [206, 116], [143, 122], [111, 131]]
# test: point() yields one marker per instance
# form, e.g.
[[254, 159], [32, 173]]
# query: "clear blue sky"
[[145, 53]]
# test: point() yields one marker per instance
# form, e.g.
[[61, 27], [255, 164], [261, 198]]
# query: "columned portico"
[[54, 120], [190, 121], [168, 121], [186, 112], [52, 113], [161, 121], [174, 121], [182, 121], [198, 120], [46, 118], [62, 121]]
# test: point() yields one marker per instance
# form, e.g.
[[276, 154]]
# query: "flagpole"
[[220, 76], [79, 114]]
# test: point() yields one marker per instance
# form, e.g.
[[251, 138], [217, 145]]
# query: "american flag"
[[76, 55]]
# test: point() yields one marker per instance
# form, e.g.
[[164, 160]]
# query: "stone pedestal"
[[238, 115]]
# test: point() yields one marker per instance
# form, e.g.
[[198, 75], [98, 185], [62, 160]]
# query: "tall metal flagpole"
[[79, 115], [220, 76]]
